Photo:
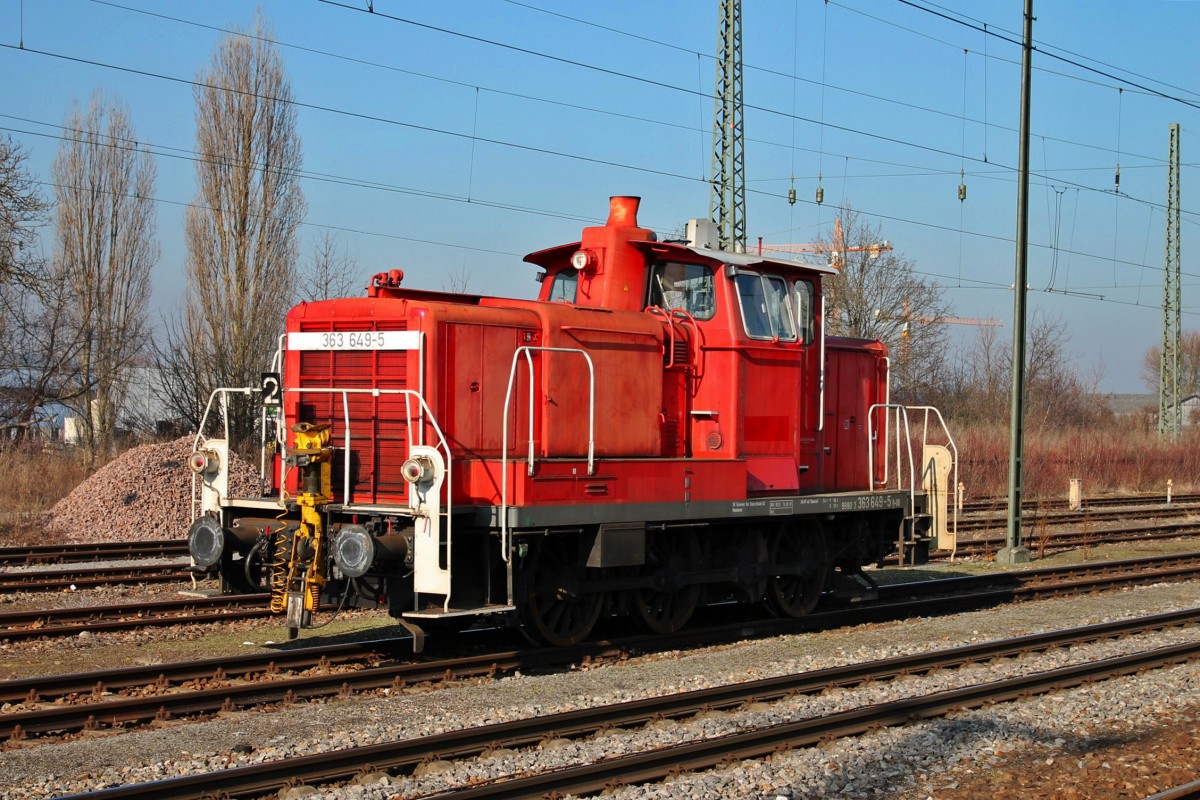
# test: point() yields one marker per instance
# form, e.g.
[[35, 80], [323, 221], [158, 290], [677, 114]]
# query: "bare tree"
[[39, 349], [877, 294], [107, 245], [1056, 395], [329, 272], [241, 232], [1189, 365], [22, 209], [457, 280]]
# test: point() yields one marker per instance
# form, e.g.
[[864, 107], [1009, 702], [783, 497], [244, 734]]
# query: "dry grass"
[[1106, 460], [36, 479]]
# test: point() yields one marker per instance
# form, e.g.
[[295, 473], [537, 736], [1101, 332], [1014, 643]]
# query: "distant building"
[[141, 409], [1144, 407], [1139, 410], [1191, 410]]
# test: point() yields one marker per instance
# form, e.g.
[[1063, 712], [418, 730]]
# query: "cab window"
[[565, 284], [803, 305], [687, 287], [766, 312]]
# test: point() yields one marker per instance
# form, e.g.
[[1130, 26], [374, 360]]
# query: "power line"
[[193, 156], [990, 31], [365, 62], [536, 150]]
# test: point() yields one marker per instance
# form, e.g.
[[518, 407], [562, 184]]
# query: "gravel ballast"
[[144, 494], [999, 746]]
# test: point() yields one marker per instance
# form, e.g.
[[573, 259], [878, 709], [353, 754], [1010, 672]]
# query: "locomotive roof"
[[552, 255]]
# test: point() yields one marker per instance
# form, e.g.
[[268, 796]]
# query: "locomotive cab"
[[666, 425]]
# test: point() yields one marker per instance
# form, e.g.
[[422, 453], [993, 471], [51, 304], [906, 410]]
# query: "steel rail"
[[88, 577], [998, 504], [23, 625], [19, 625], [1071, 540], [92, 551], [763, 742], [1059, 519], [402, 755], [106, 711], [1188, 791]]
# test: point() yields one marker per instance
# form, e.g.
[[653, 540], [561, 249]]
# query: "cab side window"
[[564, 287], [766, 311], [805, 316], [686, 287]]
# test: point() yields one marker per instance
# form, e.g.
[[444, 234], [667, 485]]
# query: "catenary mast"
[[727, 197]]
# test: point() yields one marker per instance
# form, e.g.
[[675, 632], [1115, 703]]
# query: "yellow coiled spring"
[[280, 569]]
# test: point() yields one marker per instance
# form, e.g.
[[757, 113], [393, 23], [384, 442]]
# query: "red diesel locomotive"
[[667, 425]]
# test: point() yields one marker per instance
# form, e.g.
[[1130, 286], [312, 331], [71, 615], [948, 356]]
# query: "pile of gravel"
[[144, 494]]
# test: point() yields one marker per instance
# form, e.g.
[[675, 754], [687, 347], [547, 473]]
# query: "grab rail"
[[526, 351], [901, 414]]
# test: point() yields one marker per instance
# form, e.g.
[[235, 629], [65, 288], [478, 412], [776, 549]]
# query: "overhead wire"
[[451, 133], [325, 53]]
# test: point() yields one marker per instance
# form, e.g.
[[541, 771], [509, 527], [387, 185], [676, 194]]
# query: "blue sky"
[[443, 137]]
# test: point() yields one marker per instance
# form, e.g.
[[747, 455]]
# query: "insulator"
[[962, 191], [820, 195], [792, 196]]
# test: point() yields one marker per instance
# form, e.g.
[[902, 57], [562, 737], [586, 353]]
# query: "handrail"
[[897, 409], [277, 368], [925, 429], [658, 311], [526, 351], [821, 374], [426, 417], [221, 392]]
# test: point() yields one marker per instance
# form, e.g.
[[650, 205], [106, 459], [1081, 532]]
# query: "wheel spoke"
[[552, 601], [666, 610], [802, 553]]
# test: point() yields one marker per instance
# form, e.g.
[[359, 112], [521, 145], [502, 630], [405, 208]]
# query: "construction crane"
[[837, 250], [907, 318]]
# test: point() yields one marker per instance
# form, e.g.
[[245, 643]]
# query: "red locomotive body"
[[666, 425]]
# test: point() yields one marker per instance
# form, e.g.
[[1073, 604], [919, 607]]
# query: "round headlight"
[[203, 461], [206, 541], [417, 469], [353, 550], [582, 259]]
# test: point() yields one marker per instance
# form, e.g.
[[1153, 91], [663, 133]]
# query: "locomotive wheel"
[[795, 594], [750, 559], [666, 606], [552, 608]]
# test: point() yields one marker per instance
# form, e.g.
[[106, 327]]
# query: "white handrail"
[[871, 449], [527, 351], [901, 413], [221, 392]]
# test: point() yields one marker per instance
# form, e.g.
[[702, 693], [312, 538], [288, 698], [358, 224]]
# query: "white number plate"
[[354, 340]]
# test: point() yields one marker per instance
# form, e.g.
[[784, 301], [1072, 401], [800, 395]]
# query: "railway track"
[[758, 742], [72, 578], [971, 524], [1057, 540], [135, 695], [97, 551], [999, 505], [974, 541], [45, 623], [84, 577]]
